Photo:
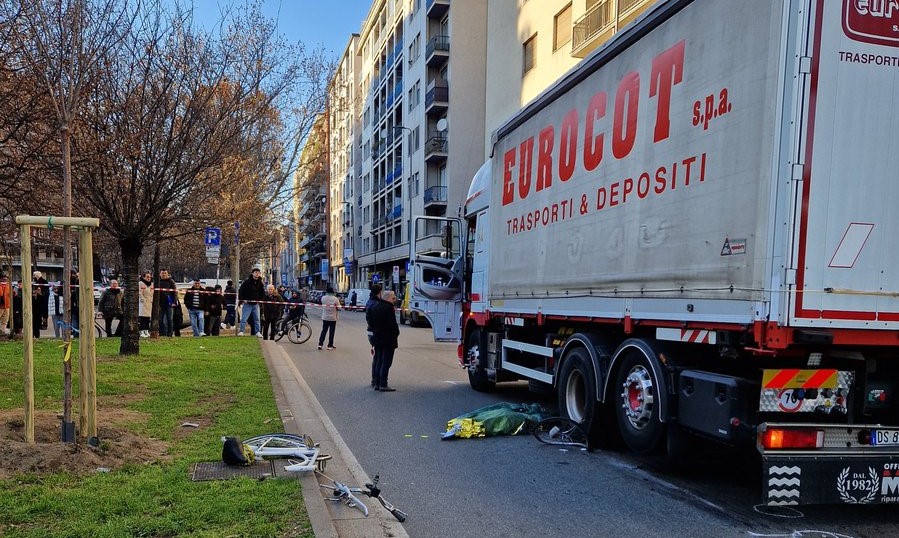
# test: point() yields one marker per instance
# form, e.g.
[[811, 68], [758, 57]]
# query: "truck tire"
[[637, 404], [477, 374], [577, 392]]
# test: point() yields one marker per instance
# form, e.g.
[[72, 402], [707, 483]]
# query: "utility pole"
[[235, 274]]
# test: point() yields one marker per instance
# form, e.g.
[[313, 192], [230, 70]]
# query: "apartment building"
[[344, 207], [310, 208], [412, 105], [402, 160], [531, 43]]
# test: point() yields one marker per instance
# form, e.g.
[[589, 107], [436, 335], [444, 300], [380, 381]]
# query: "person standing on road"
[[330, 303], [168, 297], [272, 310], [195, 301], [112, 306], [386, 337], [145, 303], [230, 302], [374, 294], [251, 292]]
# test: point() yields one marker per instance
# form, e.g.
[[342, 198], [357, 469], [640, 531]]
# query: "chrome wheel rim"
[[638, 397]]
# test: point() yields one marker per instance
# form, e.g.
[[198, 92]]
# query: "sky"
[[314, 22]]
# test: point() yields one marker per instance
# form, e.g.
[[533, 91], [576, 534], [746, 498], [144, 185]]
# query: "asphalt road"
[[516, 486]]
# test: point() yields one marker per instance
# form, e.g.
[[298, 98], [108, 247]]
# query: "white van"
[[362, 295]]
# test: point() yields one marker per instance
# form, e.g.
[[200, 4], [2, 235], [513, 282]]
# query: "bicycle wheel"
[[299, 333], [279, 334], [560, 431]]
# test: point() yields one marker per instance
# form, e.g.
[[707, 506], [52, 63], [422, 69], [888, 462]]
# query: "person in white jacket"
[[145, 303]]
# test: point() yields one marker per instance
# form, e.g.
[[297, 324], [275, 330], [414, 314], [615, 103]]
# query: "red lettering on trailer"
[[526, 154], [624, 127], [666, 72], [545, 159], [596, 111], [568, 146]]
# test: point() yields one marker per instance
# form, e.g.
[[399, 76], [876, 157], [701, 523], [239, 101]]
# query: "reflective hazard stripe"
[[693, 336], [799, 379]]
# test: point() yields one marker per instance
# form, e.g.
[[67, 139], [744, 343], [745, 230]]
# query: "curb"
[[301, 413]]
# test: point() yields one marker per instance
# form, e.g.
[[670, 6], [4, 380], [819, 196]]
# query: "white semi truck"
[[695, 232]]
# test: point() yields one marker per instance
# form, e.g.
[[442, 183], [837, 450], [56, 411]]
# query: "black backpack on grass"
[[236, 453]]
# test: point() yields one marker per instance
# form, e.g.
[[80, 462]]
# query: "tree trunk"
[[132, 248]]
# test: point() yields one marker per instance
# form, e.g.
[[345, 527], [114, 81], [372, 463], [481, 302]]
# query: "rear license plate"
[[885, 437]]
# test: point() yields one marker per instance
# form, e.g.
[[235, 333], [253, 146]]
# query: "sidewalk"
[[301, 413]]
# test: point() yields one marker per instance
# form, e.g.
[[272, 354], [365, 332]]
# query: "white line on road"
[[667, 485], [451, 382]]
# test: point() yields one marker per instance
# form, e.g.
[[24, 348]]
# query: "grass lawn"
[[220, 383]]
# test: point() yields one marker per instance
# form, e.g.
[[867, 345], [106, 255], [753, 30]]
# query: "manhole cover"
[[218, 470]]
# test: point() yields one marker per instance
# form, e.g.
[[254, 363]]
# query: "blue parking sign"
[[212, 236]]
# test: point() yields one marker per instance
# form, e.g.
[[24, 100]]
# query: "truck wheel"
[[577, 391], [637, 405], [477, 374]]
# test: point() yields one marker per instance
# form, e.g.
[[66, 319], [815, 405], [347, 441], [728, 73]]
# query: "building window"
[[562, 28], [414, 48], [529, 54]]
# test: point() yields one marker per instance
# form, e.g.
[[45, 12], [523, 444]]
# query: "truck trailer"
[[693, 233]]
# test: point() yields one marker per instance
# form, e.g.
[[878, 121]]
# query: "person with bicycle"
[[293, 312]]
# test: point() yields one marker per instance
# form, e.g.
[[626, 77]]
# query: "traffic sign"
[[212, 260], [212, 236], [213, 251], [396, 274]]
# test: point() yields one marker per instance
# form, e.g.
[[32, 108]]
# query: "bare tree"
[[172, 114]]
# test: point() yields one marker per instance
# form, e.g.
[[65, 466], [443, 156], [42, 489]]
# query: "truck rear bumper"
[[792, 479]]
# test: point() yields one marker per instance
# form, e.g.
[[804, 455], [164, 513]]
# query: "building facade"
[[344, 100], [412, 106]]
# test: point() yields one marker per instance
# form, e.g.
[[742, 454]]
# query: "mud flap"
[[801, 479]]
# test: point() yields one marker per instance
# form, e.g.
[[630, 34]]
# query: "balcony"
[[602, 21], [395, 213], [437, 8], [596, 26], [435, 196], [437, 51], [437, 100], [435, 148]]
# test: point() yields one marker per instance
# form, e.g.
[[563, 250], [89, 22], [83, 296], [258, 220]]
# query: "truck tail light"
[[460, 351], [786, 438]]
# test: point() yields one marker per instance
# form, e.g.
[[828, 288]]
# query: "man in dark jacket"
[[385, 335], [168, 298], [230, 301], [251, 292], [40, 306], [112, 305], [215, 302], [373, 297]]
